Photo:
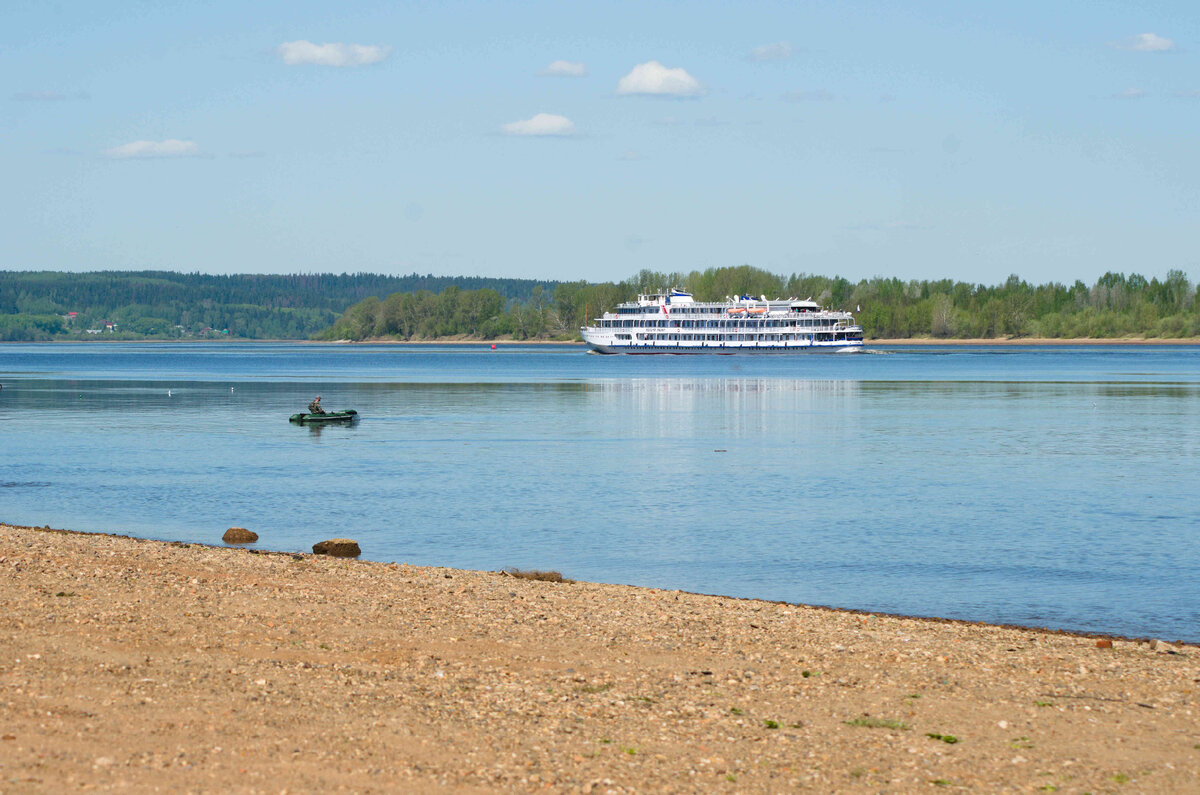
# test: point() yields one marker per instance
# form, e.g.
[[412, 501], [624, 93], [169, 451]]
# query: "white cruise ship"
[[672, 322]]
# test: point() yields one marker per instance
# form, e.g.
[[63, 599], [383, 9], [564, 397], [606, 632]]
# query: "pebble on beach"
[[337, 547], [239, 535]]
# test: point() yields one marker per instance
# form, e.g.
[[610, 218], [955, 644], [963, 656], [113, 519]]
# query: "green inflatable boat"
[[349, 415]]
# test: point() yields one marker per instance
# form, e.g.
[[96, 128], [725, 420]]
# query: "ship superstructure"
[[673, 322]]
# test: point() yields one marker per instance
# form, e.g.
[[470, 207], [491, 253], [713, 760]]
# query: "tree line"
[[155, 304], [1116, 305], [38, 305]]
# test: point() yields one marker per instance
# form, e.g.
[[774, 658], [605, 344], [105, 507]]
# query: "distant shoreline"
[[1018, 341], [916, 341], [1015, 341], [452, 341]]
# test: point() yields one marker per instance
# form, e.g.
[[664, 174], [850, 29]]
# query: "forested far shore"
[[1114, 306], [44, 305], [167, 305]]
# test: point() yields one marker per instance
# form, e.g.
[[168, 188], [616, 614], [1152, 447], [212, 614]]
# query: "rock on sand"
[[338, 548], [239, 535]]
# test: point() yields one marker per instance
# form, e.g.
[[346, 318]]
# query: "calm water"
[[1042, 486]]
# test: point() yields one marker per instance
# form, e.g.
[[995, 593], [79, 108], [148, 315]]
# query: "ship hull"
[[683, 350]]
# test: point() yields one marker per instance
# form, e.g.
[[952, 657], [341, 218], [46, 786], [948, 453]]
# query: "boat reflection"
[[727, 406]]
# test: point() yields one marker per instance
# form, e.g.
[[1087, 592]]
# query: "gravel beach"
[[139, 665]]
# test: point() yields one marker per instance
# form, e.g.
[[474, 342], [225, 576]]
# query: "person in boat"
[[315, 406]]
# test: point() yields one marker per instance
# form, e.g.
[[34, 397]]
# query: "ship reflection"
[[679, 407]]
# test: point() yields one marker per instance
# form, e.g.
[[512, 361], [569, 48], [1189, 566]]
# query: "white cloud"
[[815, 95], [778, 51], [295, 53], [654, 78], [144, 149], [541, 124], [1145, 42], [564, 69], [1131, 93]]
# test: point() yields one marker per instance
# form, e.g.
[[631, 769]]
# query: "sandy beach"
[[140, 665]]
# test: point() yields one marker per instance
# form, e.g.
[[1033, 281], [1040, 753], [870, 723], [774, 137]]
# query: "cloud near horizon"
[[564, 69], [171, 147], [1145, 42], [49, 96], [814, 95], [297, 53], [889, 226], [654, 79], [1130, 93], [777, 51], [541, 124]]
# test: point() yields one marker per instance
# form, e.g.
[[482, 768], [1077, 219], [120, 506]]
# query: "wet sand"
[[149, 666]]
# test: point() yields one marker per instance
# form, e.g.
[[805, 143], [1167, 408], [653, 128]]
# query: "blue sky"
[[913, 139]]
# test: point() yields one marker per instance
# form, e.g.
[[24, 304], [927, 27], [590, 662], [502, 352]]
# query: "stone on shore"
[[239, 535], [338, 548]]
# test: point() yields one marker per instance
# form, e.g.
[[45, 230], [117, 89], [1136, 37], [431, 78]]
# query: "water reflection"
[[729, 407], [315, 429]]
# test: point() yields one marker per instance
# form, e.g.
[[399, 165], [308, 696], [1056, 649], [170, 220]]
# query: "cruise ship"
[[673, 322]]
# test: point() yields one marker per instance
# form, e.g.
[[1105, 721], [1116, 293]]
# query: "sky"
[[553, 140]]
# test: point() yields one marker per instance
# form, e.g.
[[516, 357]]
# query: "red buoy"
[[493, 346]]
